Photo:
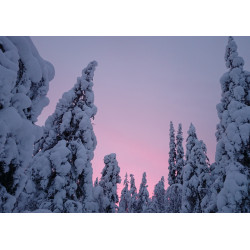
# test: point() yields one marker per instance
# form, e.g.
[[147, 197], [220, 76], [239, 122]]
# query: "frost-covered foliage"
[[24, 83], [172, 156], [215, 183], [230, 190], [133, 195], [98, 197], [196, 179], [143, 196], [190, 140], [173, 194], [158, 199], [61, 174], [200, 159], [179, 155], [108, 182], [125, 197], [173, 198]]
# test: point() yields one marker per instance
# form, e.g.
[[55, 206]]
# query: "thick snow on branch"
[[24, 83], [67, 145]]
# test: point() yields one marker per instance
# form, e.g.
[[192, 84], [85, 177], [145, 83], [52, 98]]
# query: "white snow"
[[108, 182], [24, 79]]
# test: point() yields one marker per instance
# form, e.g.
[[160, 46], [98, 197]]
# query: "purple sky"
[[140, 85]]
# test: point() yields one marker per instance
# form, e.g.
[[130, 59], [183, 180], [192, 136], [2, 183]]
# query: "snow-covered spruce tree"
[[230, 190], [196, 179], [61, 168], [143, 196], [108, 182], [24, 80], [174, 191], [133, 195], [98, 197], [158, 199], [179, 155], [190, 141], [173, 198], [125, 197], [188, 171], [176, 163], [172, 156], [203, 172]]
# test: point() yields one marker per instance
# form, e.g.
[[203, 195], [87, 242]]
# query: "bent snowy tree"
[[61, 176]]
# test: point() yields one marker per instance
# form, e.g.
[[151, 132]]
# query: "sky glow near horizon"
[[140, 85]]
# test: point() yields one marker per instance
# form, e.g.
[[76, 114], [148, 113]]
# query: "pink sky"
[[140, 85]]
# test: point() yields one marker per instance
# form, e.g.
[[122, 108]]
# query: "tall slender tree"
[[188, 173], [176, 163], [109, 180], [172, 156], [190, 142], [125, 197], [179, 155], [133, 195], [143, 196]]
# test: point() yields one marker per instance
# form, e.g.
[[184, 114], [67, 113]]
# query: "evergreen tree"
[[202, 162], [195, 179], [108, 182], [143, 196], [179, 155], [176, 164], [61, 176], [173, 198], [188, 169], [230, 190], [98, 197], [172, 156], [24, 80], [133, 195], [158, 199], [125, 197], [192, 137]]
